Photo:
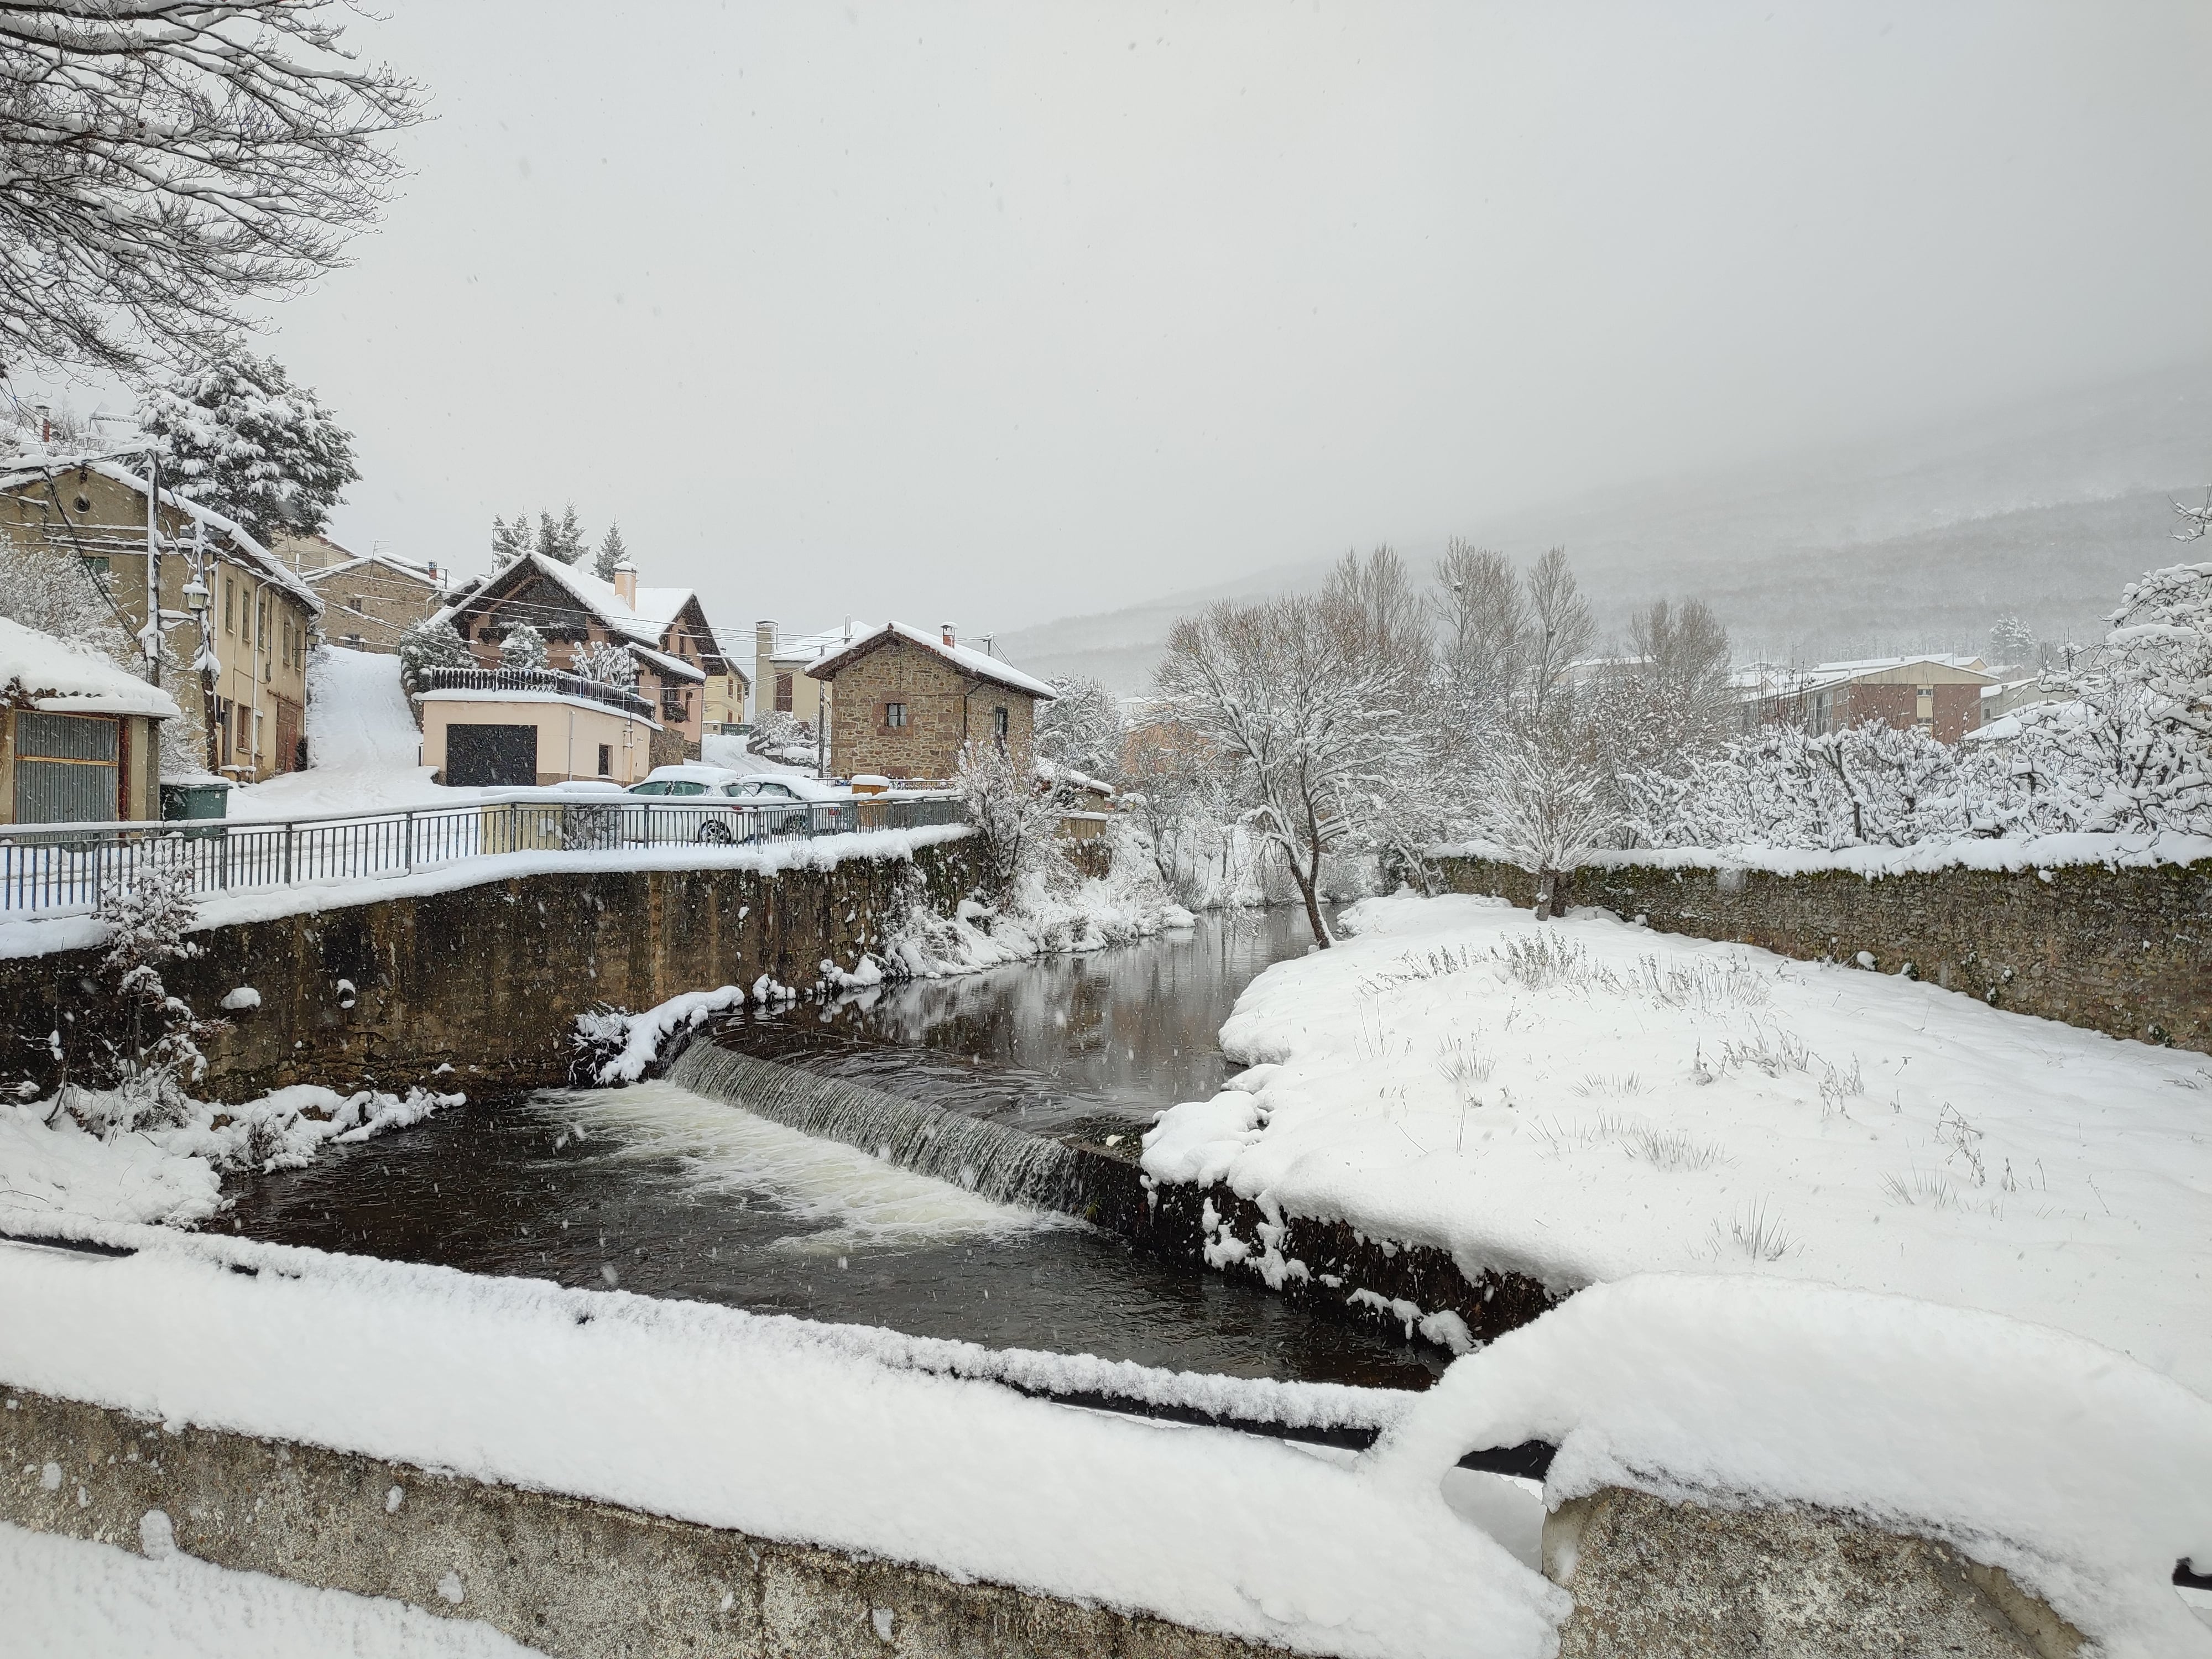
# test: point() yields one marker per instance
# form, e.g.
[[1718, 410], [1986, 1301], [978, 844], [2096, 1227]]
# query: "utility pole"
[[149, 638]]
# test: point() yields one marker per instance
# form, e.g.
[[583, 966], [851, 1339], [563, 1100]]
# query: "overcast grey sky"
[[1002, 312]]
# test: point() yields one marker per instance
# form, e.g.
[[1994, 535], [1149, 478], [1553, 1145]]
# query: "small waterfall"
[[988, 1158]]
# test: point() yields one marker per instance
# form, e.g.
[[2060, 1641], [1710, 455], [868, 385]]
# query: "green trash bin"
[[186, 802]]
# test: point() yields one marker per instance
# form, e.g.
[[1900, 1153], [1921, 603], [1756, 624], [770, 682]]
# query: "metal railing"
[[534, 679], [60, 868]]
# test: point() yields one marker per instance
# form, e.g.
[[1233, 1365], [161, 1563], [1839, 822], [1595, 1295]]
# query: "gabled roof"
[[974, 664], [243, 549], [644, 624], [407, 568], [667, 665], [800, 650]]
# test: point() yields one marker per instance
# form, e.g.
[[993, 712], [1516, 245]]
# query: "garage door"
[[497, 756], [65, 768]]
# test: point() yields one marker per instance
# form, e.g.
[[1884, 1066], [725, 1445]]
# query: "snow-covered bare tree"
[[238, 436], [1669, 702], [2195, 520], [1082, 729], [1483, 617], [604, 661], [611, 553], [136, 1044], [431, 644], [524, 647], [59, 593], [162, 161], [1015, 814], [561, 538], [1312, 703]]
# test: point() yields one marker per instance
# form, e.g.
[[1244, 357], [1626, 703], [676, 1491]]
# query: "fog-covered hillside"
[[1910, 542]]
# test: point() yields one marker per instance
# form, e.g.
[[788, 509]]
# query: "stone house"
[[370, 599], [1939, 694], [663, 629], [235, 622], [80, 737], [908, 700]]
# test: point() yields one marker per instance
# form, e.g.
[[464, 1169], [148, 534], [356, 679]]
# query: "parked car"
[[726, 806]]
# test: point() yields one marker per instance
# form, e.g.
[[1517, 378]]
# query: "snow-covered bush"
[[781, 736], [136, 1044], [1082, 729], [523, 648], [431, 644], [50, 589], [604, 662], [1015, 813]]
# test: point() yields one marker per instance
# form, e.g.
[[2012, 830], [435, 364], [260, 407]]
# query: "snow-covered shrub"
[[523, 648], [603, 662], [431, 644], [781, 736], [137, 1044], [1015, 813]]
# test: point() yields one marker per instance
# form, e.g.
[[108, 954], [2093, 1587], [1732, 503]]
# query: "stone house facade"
[[908, 700], [251, 628], [370, 599]]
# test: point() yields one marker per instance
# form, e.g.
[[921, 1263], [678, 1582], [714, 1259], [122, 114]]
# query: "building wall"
[[566, 625], [2125, 952], [944, 709], [569, 733], [260, 630], [369, 607]]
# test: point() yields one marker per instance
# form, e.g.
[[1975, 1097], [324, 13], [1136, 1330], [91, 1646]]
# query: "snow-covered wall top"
[[2042, 853]]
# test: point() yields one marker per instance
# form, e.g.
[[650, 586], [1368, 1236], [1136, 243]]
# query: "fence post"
[[288, 827], [410, 852]]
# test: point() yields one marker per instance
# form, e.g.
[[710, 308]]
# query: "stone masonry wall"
[[2124, 951], [487, 979], [943, 709], [564, 1576]]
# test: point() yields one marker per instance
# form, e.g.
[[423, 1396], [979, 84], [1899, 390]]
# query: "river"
[[663, 1192]]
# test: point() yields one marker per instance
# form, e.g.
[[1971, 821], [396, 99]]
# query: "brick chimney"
[[950, 641], [626, 583]]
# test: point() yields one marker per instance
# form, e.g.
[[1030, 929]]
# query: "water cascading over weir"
[[1009, 1166]]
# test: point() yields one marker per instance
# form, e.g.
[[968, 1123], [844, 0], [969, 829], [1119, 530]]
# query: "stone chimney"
[[626, 583], [950, 641], [764, 638]]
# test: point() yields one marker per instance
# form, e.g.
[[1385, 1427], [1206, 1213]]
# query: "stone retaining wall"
[[2126, 951], [563, 1575], [486, 979]]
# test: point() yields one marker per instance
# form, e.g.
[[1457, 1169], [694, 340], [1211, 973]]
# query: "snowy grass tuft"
[[1757, 1232]]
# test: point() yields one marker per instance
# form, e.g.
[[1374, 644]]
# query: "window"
[[606, 759], [783, 694], [998, 721], [894, 714], [229, 605]]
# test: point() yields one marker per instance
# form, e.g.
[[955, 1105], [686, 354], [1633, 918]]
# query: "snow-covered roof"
[[974, 664], [427, 574], [243, 549], [645, 624], [58, 676], [667, 663], [802, 649], [1852, 669]]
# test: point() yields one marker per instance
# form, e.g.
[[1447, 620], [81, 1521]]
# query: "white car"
[[723, 806]]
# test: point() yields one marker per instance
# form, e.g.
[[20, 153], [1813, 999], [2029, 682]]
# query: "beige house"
[[80, 737], [908, 700], [236, 624], [783, 681], [543, 729], [370, 599], [663, 629]]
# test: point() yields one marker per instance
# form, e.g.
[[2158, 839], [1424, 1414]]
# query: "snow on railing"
[[534, 679], [58, 868]]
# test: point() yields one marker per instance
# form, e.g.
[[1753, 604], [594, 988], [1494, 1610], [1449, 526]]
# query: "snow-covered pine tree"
[[509, 542], [563, 540], [611, 553], [240, 438], [603, 661], [523, 647], [430, 644]]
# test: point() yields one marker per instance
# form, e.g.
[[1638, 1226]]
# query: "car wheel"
[[714, 829]]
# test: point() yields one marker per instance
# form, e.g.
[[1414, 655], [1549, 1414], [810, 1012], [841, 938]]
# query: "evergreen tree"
[[563, 540], [509, 542], [611, 553], [523, 647], [240, 438], [431, 644]]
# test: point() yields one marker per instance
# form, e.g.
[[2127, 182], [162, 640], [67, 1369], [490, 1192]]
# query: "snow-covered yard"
[[1582, 1100]]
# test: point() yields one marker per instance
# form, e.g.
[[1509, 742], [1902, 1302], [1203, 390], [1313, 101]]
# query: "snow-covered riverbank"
[[1582, 1100]]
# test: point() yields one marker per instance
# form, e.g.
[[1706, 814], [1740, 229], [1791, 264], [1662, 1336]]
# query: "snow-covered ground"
[[1583, 1100], [67, 1598], [364, 752]]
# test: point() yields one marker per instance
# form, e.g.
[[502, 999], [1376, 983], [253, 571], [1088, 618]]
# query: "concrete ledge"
[[566, 1577], [1683, 1581]]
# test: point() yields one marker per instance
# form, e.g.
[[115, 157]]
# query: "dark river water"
[[667, 1193]]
